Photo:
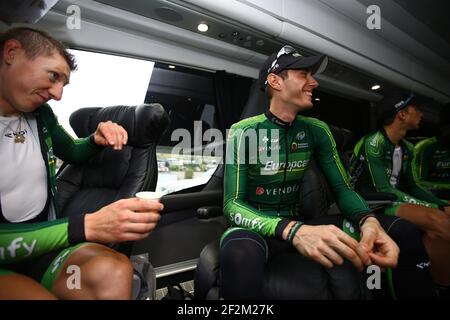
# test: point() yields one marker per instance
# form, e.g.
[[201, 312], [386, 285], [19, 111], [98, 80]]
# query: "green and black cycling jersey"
[[371, 168], [432, 164], [20, 241], [265, 163]]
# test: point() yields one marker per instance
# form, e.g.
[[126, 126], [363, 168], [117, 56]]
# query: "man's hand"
[[111, 134], [328, 245], [382, 250], [124, 220]]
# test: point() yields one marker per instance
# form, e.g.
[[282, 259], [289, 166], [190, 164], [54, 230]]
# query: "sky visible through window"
[[102, 80]]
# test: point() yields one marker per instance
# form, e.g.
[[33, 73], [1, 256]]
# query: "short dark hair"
[[388, 121], [37, 42], [268, 90]]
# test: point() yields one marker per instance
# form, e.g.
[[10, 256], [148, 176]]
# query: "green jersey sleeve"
[[421, 158], [236, 208], [373, 157], [350, 202], [423, 152], [416, 190], [68, 149]]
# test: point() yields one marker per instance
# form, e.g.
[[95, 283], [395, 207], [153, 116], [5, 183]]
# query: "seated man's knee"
[[241, 245], [242, 262], [346, 283], [408, 237], [441, 226], [402, 230], [108, 275]]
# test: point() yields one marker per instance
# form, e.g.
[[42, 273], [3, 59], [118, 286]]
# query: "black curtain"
[[232, 93]]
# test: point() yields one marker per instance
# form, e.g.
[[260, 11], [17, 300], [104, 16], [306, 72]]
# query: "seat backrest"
[[315, 194], [314, 198], [344, 144], [112, 175]]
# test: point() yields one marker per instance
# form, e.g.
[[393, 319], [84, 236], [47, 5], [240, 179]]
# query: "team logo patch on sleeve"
[[374, 145]]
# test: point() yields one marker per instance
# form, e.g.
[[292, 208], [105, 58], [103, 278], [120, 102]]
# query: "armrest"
[[185, 201], [209, 212], [378, 196], [375, 201]]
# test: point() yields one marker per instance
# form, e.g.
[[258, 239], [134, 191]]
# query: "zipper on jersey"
[[286, 161]]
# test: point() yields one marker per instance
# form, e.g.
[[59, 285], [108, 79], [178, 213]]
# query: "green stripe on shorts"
[[6, 272], [392, 209], [48, 279]]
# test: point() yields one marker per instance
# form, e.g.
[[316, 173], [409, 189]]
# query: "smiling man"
[[261, 197], [37, 247]]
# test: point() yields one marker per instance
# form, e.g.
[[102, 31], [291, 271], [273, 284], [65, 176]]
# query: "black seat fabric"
[[315, 195], [112, 175], [344, 143]]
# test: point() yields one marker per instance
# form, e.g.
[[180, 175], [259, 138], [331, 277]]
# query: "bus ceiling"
[[404, 50]]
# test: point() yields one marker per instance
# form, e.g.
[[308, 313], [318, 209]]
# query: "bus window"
[[102, 80], [186, 94], [189, 99]]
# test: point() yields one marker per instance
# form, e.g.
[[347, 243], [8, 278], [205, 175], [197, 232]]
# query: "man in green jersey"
[[432, 159], [382, 162], [39, 250], [266, 158]]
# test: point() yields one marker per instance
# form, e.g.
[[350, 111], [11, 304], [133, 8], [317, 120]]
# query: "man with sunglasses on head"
[[383, 162], [261, 196]]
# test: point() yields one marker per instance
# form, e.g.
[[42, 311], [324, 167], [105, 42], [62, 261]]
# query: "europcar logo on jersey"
[[272, 167], [259, 191]]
